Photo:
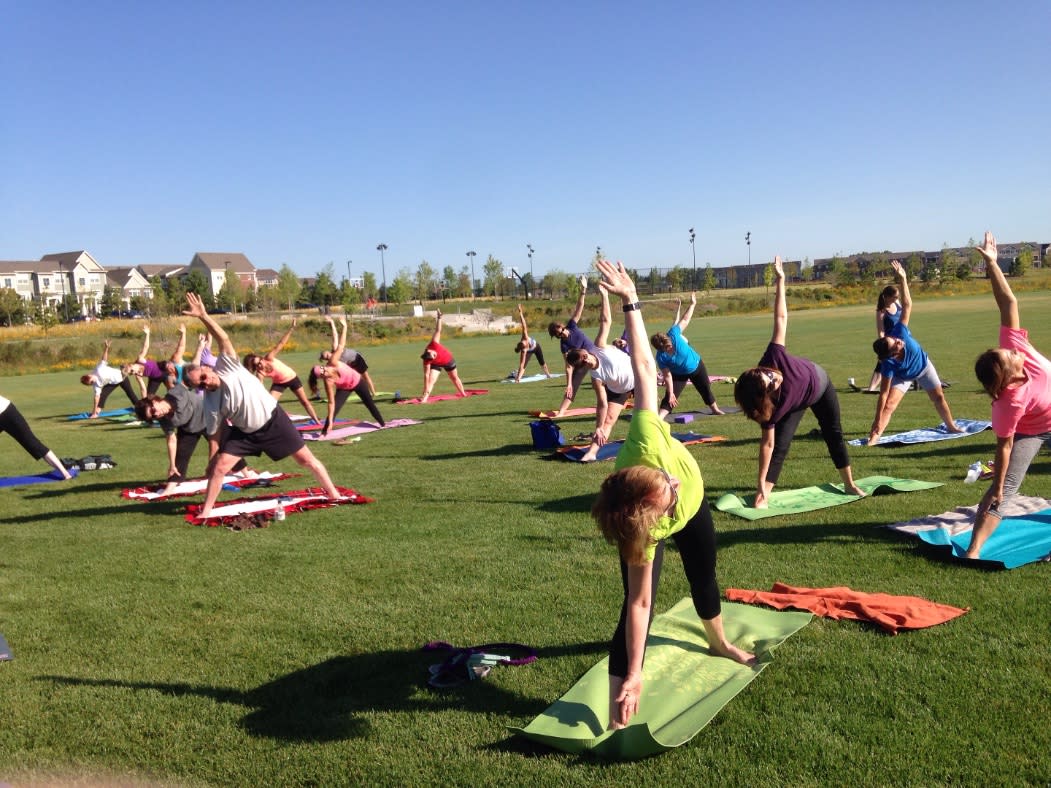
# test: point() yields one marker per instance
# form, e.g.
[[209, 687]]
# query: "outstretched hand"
[[693, 298], [779, 268], [615, 280], [294, 322], [146, 329], [988, 248], [194, 306], [583, 282], [899, 269]]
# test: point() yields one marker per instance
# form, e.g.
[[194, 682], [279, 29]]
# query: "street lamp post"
[[748, 240], [471, 256], [381, 248], [532, 282], [693, 251]]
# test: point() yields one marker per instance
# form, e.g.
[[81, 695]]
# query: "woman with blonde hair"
[[1018, 379], [777, 393], [655, 493]]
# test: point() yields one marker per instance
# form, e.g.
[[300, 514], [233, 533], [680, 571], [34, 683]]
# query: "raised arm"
[[780, 304], [678, 311], [202, 343], [879, 322], [195, 308], [437, 335], [341, 345], [105, 352], [686, 318], [284, 340], [145, 344], [522, 322], [615, 280], [335, 333], [578, 312], [180, 346], [605, 321], [903, 286], [1005, 297]]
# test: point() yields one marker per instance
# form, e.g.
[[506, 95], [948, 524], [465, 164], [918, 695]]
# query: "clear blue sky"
[[307, 133]]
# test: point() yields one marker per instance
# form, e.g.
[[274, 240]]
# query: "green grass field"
[[149, 650]]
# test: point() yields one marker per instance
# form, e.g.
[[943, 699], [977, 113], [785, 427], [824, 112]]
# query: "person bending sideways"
[[777, 393], [1018, 378], [903, 361], [570, 337], [437, 359], [528, 346], [258, 424], [342, 380], [281, 375], [104, 380], [656, 493], [681, 364], [612, 377]]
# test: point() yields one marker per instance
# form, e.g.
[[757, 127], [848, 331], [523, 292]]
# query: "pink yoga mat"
[[441, 397]]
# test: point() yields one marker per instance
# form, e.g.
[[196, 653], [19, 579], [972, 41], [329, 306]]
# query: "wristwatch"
[[632, 307]]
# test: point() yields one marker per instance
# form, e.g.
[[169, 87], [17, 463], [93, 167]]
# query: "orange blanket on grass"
[[890, 612]]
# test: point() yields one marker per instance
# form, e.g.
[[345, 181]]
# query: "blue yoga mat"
[[609, 450], [928, 434], [104, 415], [1024, 539], [52, 476]]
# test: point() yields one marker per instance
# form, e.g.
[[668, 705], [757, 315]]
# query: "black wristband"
[[632, 307]]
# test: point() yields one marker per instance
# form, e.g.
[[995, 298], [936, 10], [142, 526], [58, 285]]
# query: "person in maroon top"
[[436, 357], [777, 393]]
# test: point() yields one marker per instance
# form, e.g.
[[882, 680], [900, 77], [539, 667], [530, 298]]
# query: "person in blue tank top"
[[681, 364], [888, 314], [571, 337], [902, 362]]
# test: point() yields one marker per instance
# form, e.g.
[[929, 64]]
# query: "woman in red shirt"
[[436, 357]]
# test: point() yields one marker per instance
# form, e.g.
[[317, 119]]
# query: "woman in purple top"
[[777, 393], [151, 373], [572, 338]]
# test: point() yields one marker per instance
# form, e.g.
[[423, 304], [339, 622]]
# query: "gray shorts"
[[927, 380], [1023, 452]]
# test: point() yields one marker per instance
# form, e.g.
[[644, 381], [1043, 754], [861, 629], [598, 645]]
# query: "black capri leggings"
[[14, 424], [109, 388], [696, 543], [538, 353], [362, 390], [827, 411], [699, 379]]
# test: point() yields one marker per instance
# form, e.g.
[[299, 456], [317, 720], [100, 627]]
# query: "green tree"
[[196, 282], [1023, 262], [677, 278], [838, 272], [369, 281], [493, 276], [768, 276], [289, 286], [463, 282], [325, 290], [175, 293], [913, 265], [948, 262], [12, 307], [709, 278], [400, 290], [554, 282], [44, 316], [111, 301], [424, 283], [159, 305], [806, 270]]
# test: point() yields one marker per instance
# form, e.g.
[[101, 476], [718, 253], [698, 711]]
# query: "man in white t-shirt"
[[103, 380], [611, 377], [257, 424]]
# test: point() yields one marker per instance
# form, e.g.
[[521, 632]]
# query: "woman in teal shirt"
[[656, 492]]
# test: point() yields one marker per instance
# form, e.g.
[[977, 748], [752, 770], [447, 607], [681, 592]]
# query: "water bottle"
[[973, 472], [279, 513]]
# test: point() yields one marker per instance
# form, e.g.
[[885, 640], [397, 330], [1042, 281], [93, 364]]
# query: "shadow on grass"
[[496, 451], [331, 700]]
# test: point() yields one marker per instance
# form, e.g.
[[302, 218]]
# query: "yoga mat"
[[106, 414], [808, 499], [570, 413], [531, 378], [610, 449], [50, 476], [359, 428], [928, 434], [5, 650], [889, 612], [1023, 536], [313, 426], [727, 409], [441, 397], [683, 688], [197, 486], [295, 501]]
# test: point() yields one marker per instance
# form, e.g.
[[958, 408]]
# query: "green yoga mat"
[[683, 688], [807, 499]]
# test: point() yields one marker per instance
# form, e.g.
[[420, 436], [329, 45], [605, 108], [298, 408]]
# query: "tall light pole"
[[383, 269], [470, 256], [693, 251], [348, 272], [532, 281], [748, 240]]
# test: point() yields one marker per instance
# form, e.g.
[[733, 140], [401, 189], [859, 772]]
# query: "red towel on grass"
[[890, 612]]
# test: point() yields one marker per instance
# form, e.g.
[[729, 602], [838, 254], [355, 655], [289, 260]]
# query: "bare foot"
[[853, 489], [730, 651], [717, 411], [954, 428]]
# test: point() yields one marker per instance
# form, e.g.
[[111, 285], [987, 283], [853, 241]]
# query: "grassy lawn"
[[150, 650]]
